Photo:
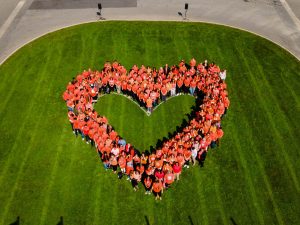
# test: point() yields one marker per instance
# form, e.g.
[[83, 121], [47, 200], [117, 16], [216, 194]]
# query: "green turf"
[[45, 172], [139, 129]]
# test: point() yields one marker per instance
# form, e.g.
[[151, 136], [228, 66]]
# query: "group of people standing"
[[149, 86]]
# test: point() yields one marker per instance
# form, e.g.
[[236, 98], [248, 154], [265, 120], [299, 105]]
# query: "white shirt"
[[223, 75], [115, 151]]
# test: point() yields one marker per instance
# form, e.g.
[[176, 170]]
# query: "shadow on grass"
[[193, 114], [17, 222], [61, 221], [184, 123], [233, 221], [147, 221], [191, 220]]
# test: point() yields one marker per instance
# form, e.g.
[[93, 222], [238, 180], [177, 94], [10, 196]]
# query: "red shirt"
[[177, 169], [159, 175]]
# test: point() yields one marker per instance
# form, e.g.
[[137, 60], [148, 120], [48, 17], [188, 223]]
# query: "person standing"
[[149, 104], [169, 179], [177, 170], [135, 178], [157, 189], [222, 75], [148, 185]]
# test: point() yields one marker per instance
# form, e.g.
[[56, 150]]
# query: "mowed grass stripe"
[[246, 171], [51, 182], [12, 77], [219, 199], [38, 136], [273, 127], [285, 121], [11, 155], [202, 198], [258, 159], [34, 133], [11, 103], [252, 105], [54, 170], [288, 87], [21, 130], [273, 101], [241, 157], [266, 181], [11, 89]]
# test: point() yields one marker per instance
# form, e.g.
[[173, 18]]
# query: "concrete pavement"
[[6, 8], [271, 19], [295, 6]]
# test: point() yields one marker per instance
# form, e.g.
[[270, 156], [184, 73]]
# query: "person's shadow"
[[17, 222], [61, 221]]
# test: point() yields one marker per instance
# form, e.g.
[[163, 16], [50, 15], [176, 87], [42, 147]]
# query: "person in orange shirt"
[[158, 163], [157, 189], [135, 178], [148, 185], [186, 85], [113, 162], [140, 168], [136, 160], [164, 92], [187, 157], [169, 179], [149, 103], [180, 159], [113, 135], [129, 165], [72, 118], [85, 132], [220, 134], [167, 167], [144, 159], [76, 126], [193, 62]]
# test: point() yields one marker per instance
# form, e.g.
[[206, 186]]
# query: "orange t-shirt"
[[169, 178], [149, 102], [157, 187]]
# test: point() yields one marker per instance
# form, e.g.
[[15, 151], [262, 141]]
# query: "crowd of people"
[[150, 86]]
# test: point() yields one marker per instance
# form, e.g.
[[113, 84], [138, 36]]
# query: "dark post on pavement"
[[99, 13], [186, 7], [99, 7]]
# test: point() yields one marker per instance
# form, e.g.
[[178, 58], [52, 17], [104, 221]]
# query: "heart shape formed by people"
[[150, 87]]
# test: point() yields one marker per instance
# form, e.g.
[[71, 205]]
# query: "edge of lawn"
[[44, 35]]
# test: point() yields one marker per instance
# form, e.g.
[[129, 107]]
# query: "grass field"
[[45, 172]]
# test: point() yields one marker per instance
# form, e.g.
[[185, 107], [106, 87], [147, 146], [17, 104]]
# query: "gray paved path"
[[295, 6], [273, 19]]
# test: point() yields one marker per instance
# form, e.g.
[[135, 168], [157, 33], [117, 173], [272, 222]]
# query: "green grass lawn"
[[139, 129], [251, 178]]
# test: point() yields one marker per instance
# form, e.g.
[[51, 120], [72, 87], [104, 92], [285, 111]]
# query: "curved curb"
[[198, 21]]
